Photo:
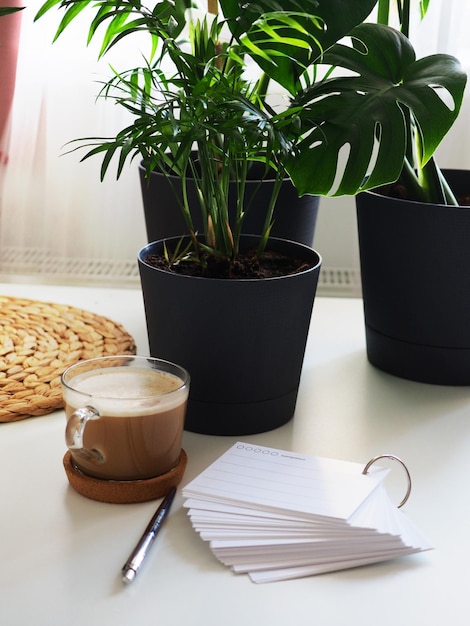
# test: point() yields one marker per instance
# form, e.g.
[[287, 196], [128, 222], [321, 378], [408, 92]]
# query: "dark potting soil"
[[247, 266], [400, 192], [463, 200]]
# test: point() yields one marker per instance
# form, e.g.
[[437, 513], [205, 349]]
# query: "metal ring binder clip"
[[394, 458]]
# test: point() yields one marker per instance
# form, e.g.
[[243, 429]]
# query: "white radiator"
[[36, 265]]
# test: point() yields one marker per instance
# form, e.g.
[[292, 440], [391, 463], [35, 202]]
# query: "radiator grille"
[[39, 266]]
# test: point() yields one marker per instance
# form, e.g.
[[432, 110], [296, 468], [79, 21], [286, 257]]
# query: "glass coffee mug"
[[125, 416]]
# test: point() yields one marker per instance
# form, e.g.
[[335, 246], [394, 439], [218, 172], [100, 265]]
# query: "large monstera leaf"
[[286, 36], [362, 114]]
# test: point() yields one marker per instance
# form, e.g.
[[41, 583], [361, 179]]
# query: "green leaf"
[[46, 7], [423, 5], [423, 82], [361, 116], [165, 19], [305, 29], [71, 13], [9, 10]]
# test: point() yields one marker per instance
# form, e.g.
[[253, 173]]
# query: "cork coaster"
[[125, 491], [38, 341]]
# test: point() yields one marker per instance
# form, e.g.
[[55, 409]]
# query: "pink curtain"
[[9, 41]]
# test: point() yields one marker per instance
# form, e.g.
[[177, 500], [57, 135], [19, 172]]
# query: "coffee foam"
[[127, 391]]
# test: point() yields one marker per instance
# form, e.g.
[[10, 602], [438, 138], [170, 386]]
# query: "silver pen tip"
[[128, 576]]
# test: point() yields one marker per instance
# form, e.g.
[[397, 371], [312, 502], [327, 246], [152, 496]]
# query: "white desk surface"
[[61, 554]]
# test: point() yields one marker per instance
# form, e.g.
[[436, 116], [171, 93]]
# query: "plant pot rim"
[[454, 171], [301, 248]]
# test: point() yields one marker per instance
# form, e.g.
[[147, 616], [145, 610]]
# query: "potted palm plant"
[[195, 90]]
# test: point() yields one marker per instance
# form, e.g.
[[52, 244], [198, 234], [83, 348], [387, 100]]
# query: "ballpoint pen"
[[138, 554]]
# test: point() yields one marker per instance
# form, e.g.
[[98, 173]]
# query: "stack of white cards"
[[275, 515]]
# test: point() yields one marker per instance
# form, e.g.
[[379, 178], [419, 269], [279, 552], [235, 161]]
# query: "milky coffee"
[[141, 421]]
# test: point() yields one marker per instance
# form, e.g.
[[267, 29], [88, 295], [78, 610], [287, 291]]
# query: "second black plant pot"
[[415, 267], [242, 341], [294, 219]]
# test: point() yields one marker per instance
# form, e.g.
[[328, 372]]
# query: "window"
[[59, 222]]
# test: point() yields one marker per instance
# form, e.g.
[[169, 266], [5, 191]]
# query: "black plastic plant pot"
[[242, 340], [415, 267], [295, 218]]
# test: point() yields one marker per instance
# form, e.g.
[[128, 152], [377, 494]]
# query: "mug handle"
[[75, 430]]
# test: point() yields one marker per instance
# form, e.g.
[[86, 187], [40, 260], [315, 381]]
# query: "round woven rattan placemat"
[[38, 340]]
